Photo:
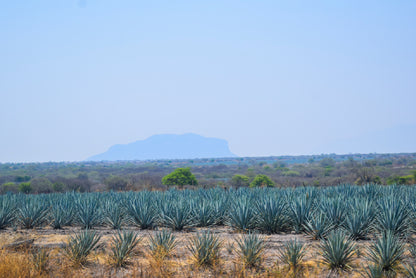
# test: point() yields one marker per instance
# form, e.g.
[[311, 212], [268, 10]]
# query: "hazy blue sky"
[[271, 77]]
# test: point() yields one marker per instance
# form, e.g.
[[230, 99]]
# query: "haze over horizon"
[[270, 77]]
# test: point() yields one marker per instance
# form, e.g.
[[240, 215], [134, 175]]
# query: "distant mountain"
[[167, 146]]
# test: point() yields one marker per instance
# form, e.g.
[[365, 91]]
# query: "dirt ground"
[[180, 265]]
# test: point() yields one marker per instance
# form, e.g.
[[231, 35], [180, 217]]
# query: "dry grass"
[[152, 264]]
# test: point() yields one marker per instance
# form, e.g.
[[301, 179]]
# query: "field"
[[347, 231]]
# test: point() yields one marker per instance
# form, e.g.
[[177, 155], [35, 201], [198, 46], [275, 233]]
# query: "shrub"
[[25, 187], [262, 180]]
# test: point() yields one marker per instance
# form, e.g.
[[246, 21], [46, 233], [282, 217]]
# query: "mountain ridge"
[[167, 146]]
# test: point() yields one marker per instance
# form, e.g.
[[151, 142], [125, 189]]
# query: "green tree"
[[25, 187], [181, 177], [9, 187], [239, 181], [262, 180]]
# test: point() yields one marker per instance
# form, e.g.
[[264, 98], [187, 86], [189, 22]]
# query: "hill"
[[167, 146]]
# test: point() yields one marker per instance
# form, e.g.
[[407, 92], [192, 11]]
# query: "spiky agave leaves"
[[177, 215], [392, 216], [81, 245], [410, 271], [241, 216], [62, 213], [7, 213], [205, 214], [142, 211], [300, 210], [114, 213], [32, 213], [88, 213], [318, 226], [250, 250], [387, 252], [162, 244], [122, 247], [292, 253], [271, 215], [358, 223], [335, 211], [205, 249], [337, 251]]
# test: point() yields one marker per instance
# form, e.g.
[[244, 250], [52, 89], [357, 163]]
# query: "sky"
[[270, 77]]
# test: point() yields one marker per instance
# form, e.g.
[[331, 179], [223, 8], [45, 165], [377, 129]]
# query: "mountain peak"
[[167, 146]]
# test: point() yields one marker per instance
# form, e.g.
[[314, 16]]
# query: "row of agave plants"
[[359, 211]]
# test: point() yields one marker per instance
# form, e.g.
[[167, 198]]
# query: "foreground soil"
[[20, 262]]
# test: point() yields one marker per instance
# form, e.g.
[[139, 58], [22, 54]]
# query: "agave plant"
[[205, 214], [32, 213], [241, 216], [177, 215], [7, 213], [88, 213], [410, 271], [358, 222], [114, 214], [392, 216], [250, 250], [142, 211], [301, 209], [372, 271], [122, 248], [271, 215], [205, 249], [337, 251], [62, 213], [335, 211], [318, 226], [387, 252], [162, 244], [81, 245], [292, 254]]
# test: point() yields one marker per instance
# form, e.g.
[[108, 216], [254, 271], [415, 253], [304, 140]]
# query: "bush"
[[181, 177], [25, 187], [262, 180]]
